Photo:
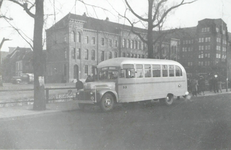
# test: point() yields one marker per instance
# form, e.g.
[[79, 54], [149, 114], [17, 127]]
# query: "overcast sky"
[[185, 16]]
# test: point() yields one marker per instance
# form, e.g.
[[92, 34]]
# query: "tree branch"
[[25, 7], [17, 30], [170, 9], [133, 12], [132, 29]]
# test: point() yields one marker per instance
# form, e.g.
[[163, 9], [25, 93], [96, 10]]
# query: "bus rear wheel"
[[168, 100], [107, 102]]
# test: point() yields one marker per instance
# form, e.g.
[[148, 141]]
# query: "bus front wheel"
[[107, 102], [168, 100]]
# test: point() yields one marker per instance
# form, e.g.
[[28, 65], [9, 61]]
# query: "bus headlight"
[[187, 93], [91, 93], [77, 93]]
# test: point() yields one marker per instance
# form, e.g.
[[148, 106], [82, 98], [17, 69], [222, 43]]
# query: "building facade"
[[205, 48], [76, 44], [16, 63]]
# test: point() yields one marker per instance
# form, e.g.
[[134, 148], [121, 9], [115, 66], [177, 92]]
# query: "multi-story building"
[[77, 43], [16, 63], [204, 48]]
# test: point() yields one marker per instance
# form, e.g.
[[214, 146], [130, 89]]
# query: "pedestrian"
[[194, 87], [79, 85]]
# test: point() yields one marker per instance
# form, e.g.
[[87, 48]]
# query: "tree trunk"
[[38, 60], [150, 27]]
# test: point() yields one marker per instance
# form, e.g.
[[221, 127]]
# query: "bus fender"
[[102, 92]]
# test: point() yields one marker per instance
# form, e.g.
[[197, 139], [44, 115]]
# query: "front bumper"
[[87, 97]]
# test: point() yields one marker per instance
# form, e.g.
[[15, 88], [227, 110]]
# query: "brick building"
[[77, 43]]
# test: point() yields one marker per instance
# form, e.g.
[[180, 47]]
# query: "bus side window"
[[139, 71], [156, 70], [171, 70], [128, 71], [178, 71], [147, 71], [164, 70]]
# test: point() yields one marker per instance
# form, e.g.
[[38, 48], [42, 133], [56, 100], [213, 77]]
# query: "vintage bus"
[[124, 80]]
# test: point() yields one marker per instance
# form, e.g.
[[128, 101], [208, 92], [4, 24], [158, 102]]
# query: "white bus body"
[[124, 80]]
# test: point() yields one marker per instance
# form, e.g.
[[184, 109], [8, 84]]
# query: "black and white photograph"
[[115, 74]]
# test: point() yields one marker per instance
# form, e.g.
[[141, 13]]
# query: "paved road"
[[204, 123]]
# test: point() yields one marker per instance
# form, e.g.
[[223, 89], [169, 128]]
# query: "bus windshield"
[[108, 73]]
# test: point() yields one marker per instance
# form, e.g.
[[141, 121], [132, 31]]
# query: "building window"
[[110, 55], [136, 45], [128, 43], [218, 40], [207, 47], [86, 40], [73, 53], [65, 54], [78, 53], [102, 55], [102, 41], [218, 48], [92, 54], [110, 42], [73, 36], [206, 29], [93, 40], [86, 54], [201, 48], [132, 44], [86, 69], [201, 40], [139, 45], [207, 39], [123, 42], [116, 43], [79, 37]]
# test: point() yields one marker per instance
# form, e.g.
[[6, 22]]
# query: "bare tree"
[[158, 11], [38, 58]]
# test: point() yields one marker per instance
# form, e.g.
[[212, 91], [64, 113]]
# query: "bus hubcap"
[[108, 102]]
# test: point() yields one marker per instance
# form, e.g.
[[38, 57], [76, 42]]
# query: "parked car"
[[16, 80]]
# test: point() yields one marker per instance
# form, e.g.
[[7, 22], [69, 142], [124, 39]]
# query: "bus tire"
[[81, 106], [168, 100], [107, 102]]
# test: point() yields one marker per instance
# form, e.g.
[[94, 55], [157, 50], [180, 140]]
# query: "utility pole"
[[3, 40]]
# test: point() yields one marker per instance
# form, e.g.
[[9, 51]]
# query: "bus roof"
[[124, 60]]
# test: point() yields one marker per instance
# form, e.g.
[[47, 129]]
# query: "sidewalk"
[[15, 112]]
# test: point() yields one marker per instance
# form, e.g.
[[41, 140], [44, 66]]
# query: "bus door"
[[125, 83]]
